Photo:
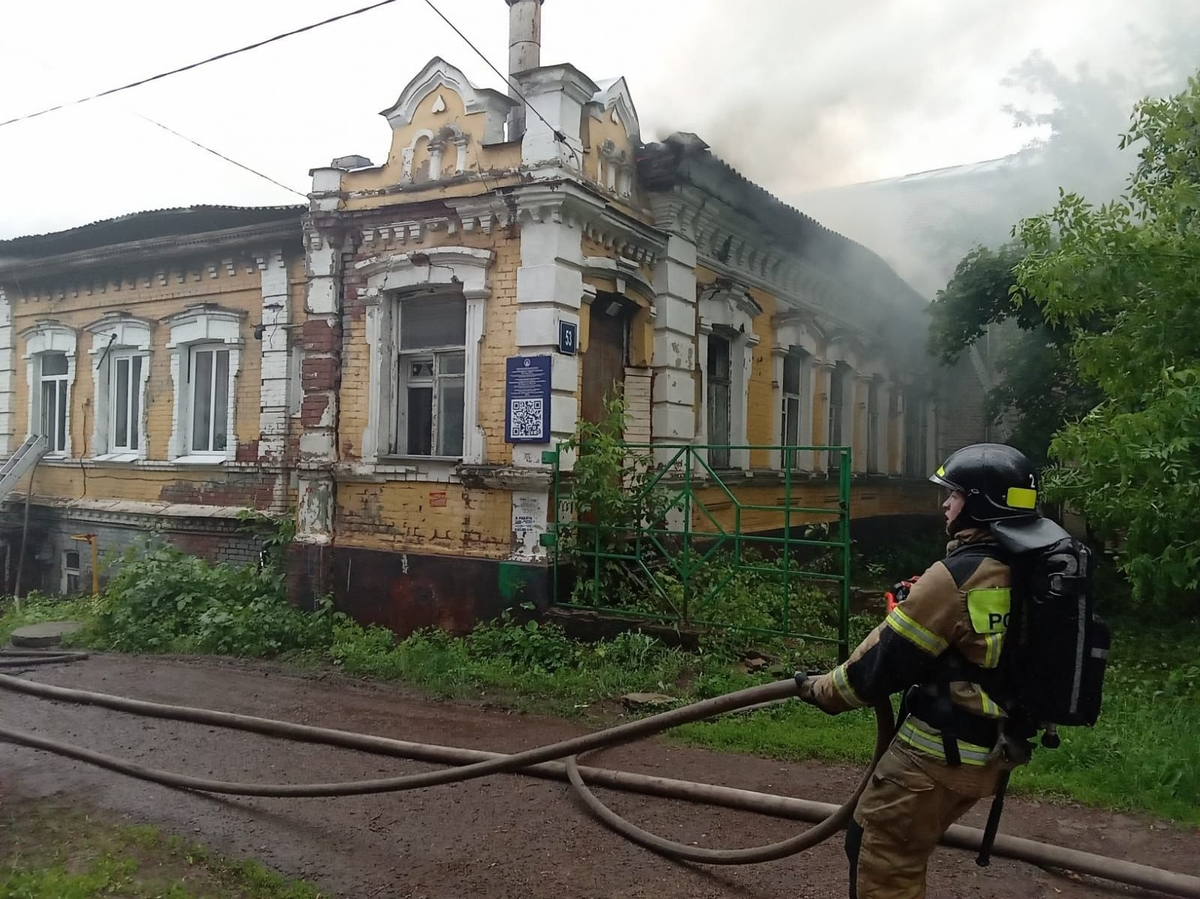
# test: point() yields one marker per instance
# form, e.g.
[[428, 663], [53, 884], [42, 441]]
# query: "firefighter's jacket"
[[941, 640]]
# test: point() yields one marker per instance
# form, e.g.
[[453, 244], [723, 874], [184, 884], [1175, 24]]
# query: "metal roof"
[[138, 226]]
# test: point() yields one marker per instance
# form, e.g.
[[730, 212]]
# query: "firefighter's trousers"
[[911, 800]]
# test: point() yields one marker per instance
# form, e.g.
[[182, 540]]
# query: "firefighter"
[[938, 644]]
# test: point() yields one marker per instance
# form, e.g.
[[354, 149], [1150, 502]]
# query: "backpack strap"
[[945, 714]]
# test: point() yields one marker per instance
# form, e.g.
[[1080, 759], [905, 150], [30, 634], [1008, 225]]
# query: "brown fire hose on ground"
[[544, 762]]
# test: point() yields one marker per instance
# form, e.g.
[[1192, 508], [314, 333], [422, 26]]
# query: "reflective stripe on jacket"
[[957, 610]]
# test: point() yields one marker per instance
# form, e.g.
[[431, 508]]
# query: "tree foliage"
[[1123, 279], [1038, 388]]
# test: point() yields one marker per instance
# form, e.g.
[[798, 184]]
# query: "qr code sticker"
[[526, 419]]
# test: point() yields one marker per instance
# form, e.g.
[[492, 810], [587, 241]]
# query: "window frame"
[[729, 312], [398, 438], [715, 383], [69, 571], [840, 415], [802, 397], [193, 384], [199, 328], [876, 426], [42, 340], [460, 271], [57, 434], [118, 335], [916, 435]]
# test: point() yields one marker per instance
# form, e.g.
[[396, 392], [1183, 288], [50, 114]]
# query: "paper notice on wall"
[[528, 524], [528, 513]]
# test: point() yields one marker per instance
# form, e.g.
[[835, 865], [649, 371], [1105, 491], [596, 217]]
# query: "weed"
[[61, 853], [164, 600], [1142, 755]]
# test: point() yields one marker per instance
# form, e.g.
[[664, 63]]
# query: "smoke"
[[806, 98], [1073, 119]]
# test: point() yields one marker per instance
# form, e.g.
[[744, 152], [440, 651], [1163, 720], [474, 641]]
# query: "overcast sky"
[[798, 94]]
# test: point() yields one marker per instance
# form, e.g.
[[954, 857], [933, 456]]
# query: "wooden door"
[[604, 360]]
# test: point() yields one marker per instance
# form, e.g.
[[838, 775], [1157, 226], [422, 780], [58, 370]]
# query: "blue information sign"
[[527, 400], [568, 338]]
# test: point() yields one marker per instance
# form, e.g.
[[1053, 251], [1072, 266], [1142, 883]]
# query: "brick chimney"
[[524, 52]]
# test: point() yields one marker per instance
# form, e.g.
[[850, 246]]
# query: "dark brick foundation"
[[51, 531], [406, 591]]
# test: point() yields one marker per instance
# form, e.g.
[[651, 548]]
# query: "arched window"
[[120, 371], [50, 370], [206, 357]]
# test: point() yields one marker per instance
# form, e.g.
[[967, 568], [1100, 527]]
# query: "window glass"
[[54, 364], [432, 322], [202, 371]]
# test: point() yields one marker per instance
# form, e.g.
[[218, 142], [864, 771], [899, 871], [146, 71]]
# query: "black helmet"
[[998, 481]]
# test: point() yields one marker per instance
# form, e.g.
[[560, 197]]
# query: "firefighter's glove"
[[804, 688]]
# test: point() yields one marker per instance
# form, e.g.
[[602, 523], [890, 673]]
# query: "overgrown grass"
[[1143, 755], [36, 608], [58, 853]]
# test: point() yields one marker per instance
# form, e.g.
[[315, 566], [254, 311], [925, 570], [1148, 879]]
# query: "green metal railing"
[[692, 537]]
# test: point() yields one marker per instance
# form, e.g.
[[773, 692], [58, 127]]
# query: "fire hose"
[[546, 762]]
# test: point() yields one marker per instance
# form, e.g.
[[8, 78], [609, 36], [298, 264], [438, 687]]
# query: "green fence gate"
[[664, 536]]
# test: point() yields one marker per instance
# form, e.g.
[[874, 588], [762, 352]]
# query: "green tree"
[[1038, 386], [1123, 279]]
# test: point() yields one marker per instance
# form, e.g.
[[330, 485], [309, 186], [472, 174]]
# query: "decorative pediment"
[[439, 75], [797, 329], [613, 102], [121, 329], [48, 336]]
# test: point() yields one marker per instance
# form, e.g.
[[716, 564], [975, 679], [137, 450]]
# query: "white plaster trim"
[[48, 337], [117, 333], [796, 330], [276, 387], [7, 373], [195, 326], [733, 312], [614, 97], [406, 157], [438, 74], [456, 269]]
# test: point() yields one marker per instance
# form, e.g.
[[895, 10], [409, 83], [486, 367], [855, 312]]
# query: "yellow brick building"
[[362, 354], [727, 318], [152, 353]]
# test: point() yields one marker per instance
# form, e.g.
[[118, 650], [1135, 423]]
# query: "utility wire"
[[203, 62], [219, 155], [558, 135], [190, 140]]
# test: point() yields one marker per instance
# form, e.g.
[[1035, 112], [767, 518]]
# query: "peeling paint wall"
[[152, 291], [433, 518]]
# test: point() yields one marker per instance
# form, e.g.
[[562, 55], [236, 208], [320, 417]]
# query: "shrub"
[[165, 600]]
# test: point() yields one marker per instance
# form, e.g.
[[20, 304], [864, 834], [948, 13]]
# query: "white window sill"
[[116, 457], [201, 459], [417, 460]]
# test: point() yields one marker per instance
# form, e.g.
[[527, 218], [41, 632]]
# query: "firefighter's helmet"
[[999, 482]]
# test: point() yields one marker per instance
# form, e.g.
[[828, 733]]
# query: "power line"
[[558, 135], [196, 65], [190, 140], [240, 165]]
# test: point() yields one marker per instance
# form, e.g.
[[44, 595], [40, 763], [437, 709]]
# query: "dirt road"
[[497, 837]]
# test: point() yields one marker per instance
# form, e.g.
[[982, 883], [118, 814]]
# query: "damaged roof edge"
[[143, 226], [685, 158]]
